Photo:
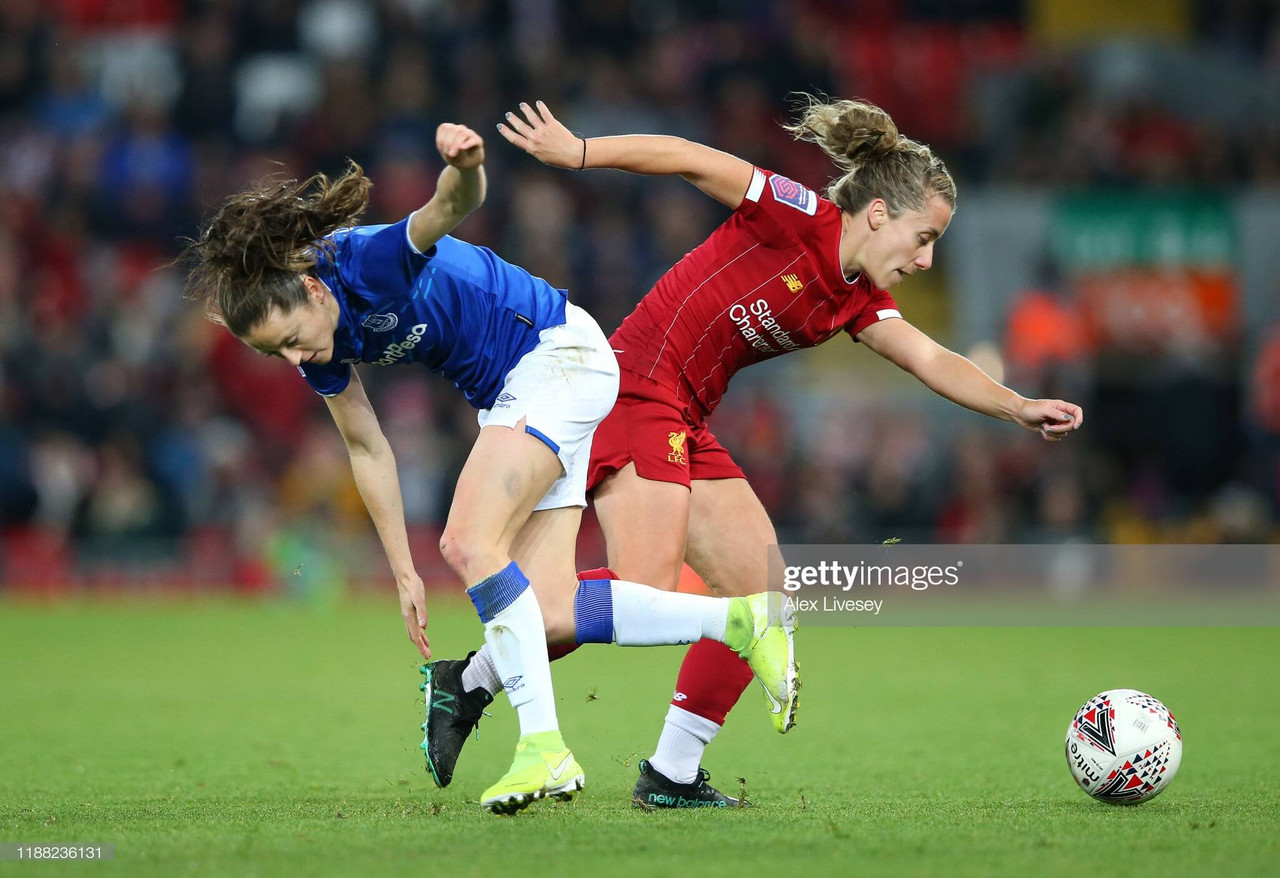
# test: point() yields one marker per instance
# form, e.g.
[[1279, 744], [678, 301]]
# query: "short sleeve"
[[777, 209], [380, 260], [328, 379], [880, 306]]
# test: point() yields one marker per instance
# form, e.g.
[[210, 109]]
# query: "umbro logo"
[[504, 401], [513, 684]]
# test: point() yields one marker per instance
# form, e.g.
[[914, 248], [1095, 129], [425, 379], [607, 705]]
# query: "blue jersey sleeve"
[[380, 258], [329, 379]]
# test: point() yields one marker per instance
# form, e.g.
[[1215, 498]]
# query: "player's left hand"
[[542, 136], [1051, 418], [460, 146], [413, 609]]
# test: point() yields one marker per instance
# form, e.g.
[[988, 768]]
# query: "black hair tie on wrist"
[[583, 164]]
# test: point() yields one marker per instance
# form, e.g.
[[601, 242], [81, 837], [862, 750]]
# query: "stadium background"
[[1117, 163]]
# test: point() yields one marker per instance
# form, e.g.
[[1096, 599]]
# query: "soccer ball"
[[1123, 747]]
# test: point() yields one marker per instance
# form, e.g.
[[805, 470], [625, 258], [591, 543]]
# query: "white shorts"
[[562, 389]]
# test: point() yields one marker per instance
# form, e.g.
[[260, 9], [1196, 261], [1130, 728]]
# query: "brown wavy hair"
[[252, 254], [877, 161]]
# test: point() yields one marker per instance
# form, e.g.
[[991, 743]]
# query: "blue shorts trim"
[[543, 436]]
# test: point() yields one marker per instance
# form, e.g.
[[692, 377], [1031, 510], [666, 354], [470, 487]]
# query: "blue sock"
[[494, 594], [593, 611]]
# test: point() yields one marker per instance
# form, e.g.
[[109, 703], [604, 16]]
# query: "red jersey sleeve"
[[880, 306], [776, 209]]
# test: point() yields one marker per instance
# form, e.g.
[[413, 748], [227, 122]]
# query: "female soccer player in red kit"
[[789, 269]]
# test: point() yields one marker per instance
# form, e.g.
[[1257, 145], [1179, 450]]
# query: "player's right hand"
[[542, 136], [413, 608], [460, 146], [1053, 419]]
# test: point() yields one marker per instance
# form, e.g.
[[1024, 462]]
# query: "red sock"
[[712, 677], [561, 650]]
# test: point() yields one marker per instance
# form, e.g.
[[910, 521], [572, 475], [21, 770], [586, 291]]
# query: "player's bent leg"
[[638, 514], [553, 401], [459, 690], [507, 474], [544, 549], [728, 530], [645, 524], [733, 547], [474, 681]]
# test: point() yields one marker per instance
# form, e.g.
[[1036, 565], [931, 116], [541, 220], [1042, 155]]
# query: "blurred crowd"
[[134, 435]]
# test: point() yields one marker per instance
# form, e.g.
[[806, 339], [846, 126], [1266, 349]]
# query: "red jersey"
[[766, 282]]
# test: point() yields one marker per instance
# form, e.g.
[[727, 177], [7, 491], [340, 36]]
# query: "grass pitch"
[[282, 739]]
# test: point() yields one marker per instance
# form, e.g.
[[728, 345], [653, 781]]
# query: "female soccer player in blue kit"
[[286, 269]]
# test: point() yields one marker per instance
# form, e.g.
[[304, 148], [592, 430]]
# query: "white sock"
[[646, 616], [517, 644], [684, 737], [480, 673]]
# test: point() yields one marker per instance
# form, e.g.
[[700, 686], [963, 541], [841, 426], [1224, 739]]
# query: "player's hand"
[[460, 146], [1051, 418], [542, 136], [413, 607]]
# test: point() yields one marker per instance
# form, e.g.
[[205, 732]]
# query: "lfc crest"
[[676, 454]]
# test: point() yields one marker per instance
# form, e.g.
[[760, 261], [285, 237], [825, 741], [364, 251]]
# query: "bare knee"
[[470, 558]]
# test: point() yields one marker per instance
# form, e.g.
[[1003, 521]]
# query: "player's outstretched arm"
[[374, 468], [722, 176], [460, 189], [956, 378]]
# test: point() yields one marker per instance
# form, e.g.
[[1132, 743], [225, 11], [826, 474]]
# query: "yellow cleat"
[[543, 768], [762, 629]]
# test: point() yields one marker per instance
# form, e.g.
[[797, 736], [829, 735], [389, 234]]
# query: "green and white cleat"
[[762, 629], [542, 769]]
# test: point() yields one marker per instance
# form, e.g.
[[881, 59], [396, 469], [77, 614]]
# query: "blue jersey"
[[458, 309]]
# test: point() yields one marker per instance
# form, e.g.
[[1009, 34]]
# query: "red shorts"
[[652, 429]]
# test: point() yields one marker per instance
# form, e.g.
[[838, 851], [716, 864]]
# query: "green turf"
[[281, 739]]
